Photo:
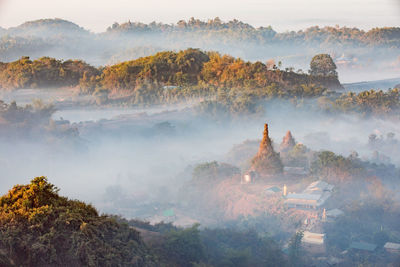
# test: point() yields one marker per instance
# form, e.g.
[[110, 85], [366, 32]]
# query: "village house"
[[313, 238], [392, 247], [333, 214], [273, 190], [249, 177], [363, 246], [313, 242], [312, 197], [295, 171]]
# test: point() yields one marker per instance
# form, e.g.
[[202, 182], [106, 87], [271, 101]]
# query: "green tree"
[[295, 249], [323, 65]]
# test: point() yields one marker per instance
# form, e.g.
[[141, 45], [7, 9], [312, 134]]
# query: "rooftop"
[[313, 238], [334, 213], [304, 196], [394, 246], [363, 246], [274, 189], [320, 186]]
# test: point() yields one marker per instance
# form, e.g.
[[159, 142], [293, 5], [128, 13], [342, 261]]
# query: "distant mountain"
[[353, 50], [45, 28], [367, 85], [236, 29]]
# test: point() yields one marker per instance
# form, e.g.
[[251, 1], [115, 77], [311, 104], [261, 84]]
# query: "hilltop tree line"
[[190, 67], [225, 84], [44, 73], [125, 41], [238, 30]]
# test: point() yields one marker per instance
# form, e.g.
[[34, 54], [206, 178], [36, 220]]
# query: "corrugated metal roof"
[[334, 212], [169, 213], [313, 238], [274, 189], [319, 186], [363, 246], [304, 196], [390, 245]]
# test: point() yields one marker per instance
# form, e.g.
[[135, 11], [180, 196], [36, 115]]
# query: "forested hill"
[[228, 31], [191, 67], [48, 27], [353, 48], [41, 228], [238, 30]]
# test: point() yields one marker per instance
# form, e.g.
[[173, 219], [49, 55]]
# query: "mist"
[[356, 60], [123, 158]]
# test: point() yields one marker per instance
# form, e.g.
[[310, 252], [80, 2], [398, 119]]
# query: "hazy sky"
[[97, 15]]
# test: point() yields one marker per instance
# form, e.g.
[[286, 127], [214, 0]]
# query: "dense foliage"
[[213, 170], [370, 102], [44, 73], [40, 228], [323, 64], [126, 41], [184, 68], [238, 30]]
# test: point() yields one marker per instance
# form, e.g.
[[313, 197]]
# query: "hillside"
[[240, 31], [62, 232], [353, 49], [46, 28], [41, 228], [190, 67]]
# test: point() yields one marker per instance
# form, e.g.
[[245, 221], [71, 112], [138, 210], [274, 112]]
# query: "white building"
[[312, 197], [249, 177], [392, 247], [313, 238], [334, 213]]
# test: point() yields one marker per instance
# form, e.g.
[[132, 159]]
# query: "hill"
[[41, 228], [381, 84], [47, 28], [236, 30], [354, 50], [184, 68]]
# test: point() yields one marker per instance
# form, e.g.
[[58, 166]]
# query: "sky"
[[282, 15]]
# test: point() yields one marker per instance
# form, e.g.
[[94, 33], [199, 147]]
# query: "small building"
[[312, 197], [313, 238], [295, 170], [273, 190], [364, 246], [334, 213], [249, 177], [307, 201], [392, 247], [319, 187], [314, 243], [168, 213], [169, 87]]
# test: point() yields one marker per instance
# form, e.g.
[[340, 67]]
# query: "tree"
[[323, 65], [41, 228], [295, 249]]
